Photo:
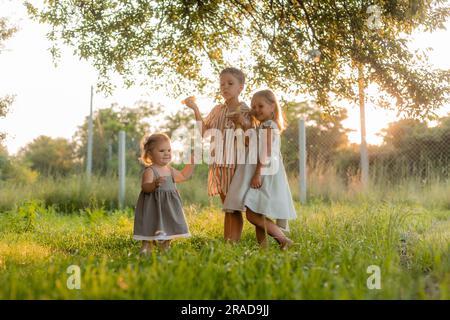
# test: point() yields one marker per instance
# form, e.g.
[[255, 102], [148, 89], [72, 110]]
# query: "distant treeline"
[[410, 147]]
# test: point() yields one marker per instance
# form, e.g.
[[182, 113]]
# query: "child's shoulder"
[[217, 108], [244, 107], [147, 169]]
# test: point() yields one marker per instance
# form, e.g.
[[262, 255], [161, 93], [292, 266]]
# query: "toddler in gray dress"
[[159, 215]]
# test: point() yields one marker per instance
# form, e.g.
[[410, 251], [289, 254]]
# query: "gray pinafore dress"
[[159, 214]]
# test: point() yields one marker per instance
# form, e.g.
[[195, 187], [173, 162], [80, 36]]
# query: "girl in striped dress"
[[231, 114]]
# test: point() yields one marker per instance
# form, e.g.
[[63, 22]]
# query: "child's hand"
[[256, 182], [236, 117], [190, 102], [159, 181]]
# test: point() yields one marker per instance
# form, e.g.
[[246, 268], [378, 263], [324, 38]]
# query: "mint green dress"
[[273, 199]]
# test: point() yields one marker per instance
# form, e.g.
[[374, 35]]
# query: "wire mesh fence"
[[411, 150]]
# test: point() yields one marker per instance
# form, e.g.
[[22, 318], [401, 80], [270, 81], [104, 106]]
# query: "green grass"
[[335, 244], [73, 193], [404, 228], [325, 184]]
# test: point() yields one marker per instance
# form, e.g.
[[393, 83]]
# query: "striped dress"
[[220, 174]]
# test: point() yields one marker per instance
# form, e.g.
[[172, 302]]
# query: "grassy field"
[[73, 193], [336, 242]]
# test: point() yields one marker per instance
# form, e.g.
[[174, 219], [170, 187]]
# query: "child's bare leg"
[[227, 226], [227, 222], [261, 236], [238, 224], [272, 229], [147, 247], [164, 245], [233, 224]]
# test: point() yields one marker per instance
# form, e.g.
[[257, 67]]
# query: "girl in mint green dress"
[[263, 190]]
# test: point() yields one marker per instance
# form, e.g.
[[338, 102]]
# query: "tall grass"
[[70, 193], [74, 193], [335, 244], [402, 227], [325, 183]]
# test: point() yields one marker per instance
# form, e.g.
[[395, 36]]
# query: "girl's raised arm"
[[184, 174], [190, 103], [198, 117]]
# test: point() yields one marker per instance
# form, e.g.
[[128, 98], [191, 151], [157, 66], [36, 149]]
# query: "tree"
[[326, 49], [175, 40], [5, 33], [180, 119], [11, 169], [416, 148], [49, 156], [135, 121], [4, 161], [399, 133], [325, 135]]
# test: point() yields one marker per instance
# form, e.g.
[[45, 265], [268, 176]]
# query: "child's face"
[[161, 154], [230, 87], [262, 109]]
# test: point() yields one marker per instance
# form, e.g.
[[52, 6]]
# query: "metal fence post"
[[122, 169], [302, 159]]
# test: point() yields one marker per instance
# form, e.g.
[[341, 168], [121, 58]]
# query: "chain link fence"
[[411, 151]]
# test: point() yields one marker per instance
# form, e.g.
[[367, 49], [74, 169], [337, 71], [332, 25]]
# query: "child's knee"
[[250, 216], [237, 215]]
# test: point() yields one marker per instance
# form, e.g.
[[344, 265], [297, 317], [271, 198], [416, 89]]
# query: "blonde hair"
[[148, 143], [279, 116], [235, 72]]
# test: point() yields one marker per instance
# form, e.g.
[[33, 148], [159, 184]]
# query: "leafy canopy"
[[182, 44]]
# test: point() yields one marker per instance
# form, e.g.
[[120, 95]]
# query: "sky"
[[54, 101]]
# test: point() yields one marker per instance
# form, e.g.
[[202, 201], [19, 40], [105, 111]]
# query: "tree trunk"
[[90, 140], [362, 116]]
